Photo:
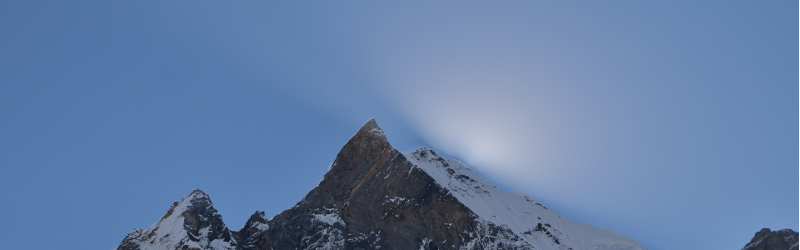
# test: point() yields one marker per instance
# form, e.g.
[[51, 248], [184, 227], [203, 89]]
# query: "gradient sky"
[[673, 123]]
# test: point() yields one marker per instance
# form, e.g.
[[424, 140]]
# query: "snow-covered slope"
[[540, 227], [192, 223]]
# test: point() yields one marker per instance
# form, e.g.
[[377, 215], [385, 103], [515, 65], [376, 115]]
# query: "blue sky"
[[673, 123]]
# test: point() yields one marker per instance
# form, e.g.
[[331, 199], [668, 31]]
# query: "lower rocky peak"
[[766, 239], [253, 233], [192, 223]]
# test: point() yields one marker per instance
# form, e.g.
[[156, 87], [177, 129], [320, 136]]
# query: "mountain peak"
[[195, 198], [192, 223], [370, 129], [366, 146], [374, 196], [197, 191], [766, 239], [196, 194]]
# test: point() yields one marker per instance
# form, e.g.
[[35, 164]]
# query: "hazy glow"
[[479, 113]]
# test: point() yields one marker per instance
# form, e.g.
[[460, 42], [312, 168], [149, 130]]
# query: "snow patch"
[[424, 244], [377, 131], [330, 219]]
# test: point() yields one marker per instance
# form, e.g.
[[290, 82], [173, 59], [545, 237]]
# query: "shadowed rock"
[[766, 239]]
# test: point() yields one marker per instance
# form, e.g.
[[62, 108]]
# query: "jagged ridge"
[[373, 197]]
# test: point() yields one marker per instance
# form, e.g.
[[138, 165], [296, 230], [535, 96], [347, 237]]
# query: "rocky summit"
[[766, 239], [375, 197], [192, 223]]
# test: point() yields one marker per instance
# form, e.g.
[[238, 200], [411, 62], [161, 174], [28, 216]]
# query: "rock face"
[[766, 239], [375, 197]]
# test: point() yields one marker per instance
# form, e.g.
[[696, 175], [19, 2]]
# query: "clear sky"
[[674, 122]]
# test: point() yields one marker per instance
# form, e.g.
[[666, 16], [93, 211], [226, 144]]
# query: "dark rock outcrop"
[[766, 239]]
